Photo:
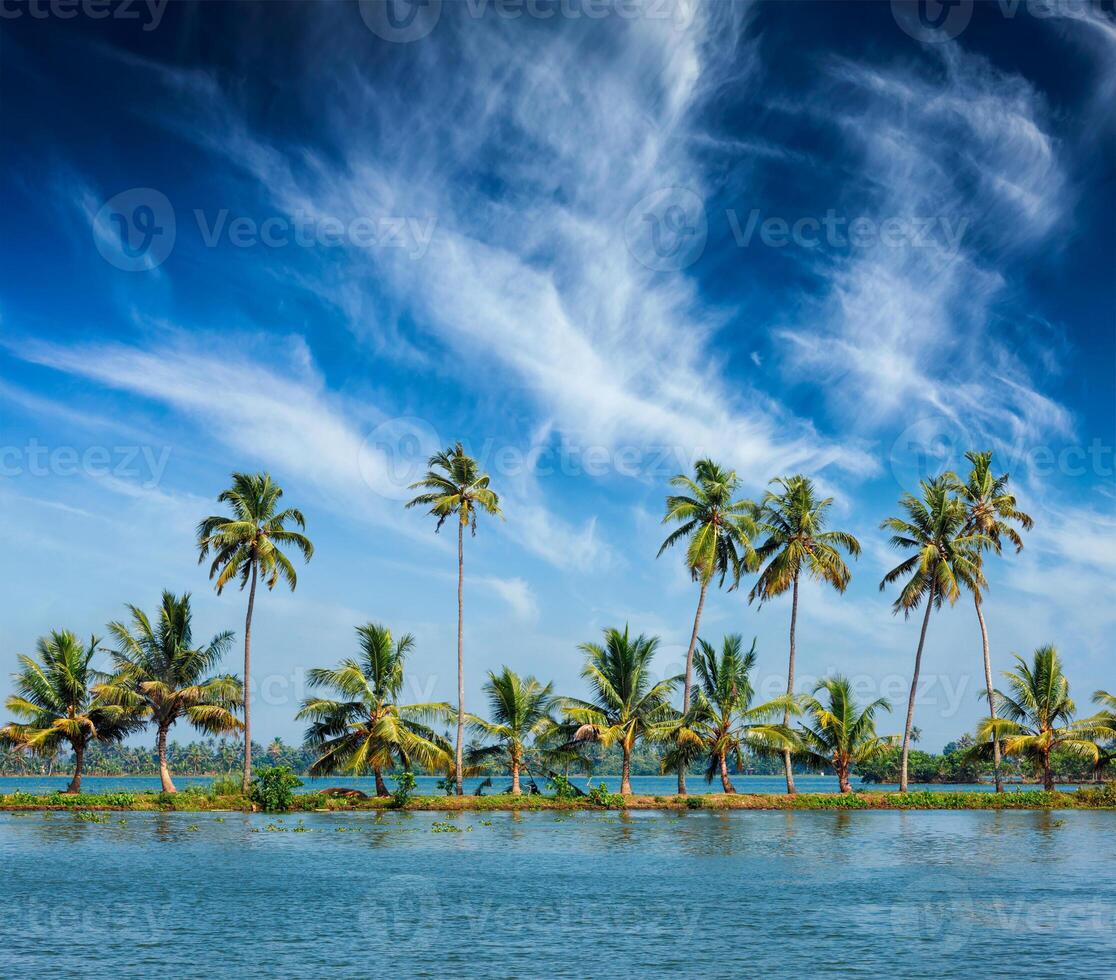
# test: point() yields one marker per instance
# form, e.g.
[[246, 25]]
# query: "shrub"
[[562, 788], [694, 802], [225, 786], [600, 796], [405, 784], [273, 788]]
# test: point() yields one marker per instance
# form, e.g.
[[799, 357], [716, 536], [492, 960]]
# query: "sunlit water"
[[428, 785], [545, 894]]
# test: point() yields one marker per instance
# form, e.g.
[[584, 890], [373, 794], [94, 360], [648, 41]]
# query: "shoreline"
[[186, 802]]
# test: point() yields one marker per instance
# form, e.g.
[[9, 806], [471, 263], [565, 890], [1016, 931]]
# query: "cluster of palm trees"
[[158, 675]]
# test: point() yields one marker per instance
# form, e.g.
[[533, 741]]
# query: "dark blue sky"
[[796, 236]]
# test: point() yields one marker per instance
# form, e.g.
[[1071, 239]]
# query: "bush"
[[273, 788], [562, 788], [405, 784], [1099, 796], [694, 802], [600, 796], [225, 786]]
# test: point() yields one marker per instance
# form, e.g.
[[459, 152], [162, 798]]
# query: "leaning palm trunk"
[[790, 686], [460, 655], [79, 758], [381, 787], [726, 783], [988, 686], [690, 675], [164, 769], [914, 692], [245, 783]]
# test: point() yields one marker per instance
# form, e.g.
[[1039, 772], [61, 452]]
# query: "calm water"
[[427, 785], [561, 895]]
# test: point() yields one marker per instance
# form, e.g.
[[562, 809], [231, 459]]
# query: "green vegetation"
[[160, 676], [365, 729], [249, 545], [629, 722], [793, 522], [454, 486]]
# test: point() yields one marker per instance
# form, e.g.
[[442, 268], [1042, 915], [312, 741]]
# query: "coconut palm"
[[627, 704], [1036, 717], [365, 727], [946, 558], [792, 521], [454, 485], [57, 704], [521, 711], [247, 546], [723, 717], [1105, 736], [992, 513], [719, 530], [161, 676], [841, 734]]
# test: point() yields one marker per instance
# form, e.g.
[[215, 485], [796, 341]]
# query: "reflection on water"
[[643, 893]]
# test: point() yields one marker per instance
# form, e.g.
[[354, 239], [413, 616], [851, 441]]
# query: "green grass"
[[203, 800]]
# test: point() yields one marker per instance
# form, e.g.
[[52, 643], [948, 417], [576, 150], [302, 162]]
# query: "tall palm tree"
[[454, 485], [161, 676], [249, 545], [56, 702], [719, 529], [841, 734], [792, 521], [1105, 722], [723, 716], [1036, 719], [946, 557], [366, 728], [521, 711], [627, 705], [992, 512]]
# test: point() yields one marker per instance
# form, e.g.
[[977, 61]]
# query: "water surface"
[[723, 894]]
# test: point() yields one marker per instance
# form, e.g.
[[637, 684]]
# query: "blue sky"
[[594, 246]]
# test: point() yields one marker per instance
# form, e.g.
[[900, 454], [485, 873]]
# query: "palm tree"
[[1105, 722], [162, 677], [366, 727], [626, 705], [992, 511], [841, 734], [719, 530], [247, 545], [723, 716], [1037, 716], [521, 711], [56, 702], [793, 522], [455, 485], [946, 557]]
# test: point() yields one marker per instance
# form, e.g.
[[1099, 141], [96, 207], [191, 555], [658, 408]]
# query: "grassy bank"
[[190, 802]]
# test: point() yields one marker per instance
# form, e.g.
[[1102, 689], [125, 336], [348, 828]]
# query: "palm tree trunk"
[[515, 776], [247, 779], [381, 787], [626, 773], [164, 769], [79, 757], [789, 769], [460, 654], [726, 783], [690, 675], [1047, 772], [988, 686], [843, 777], [914, 691]]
